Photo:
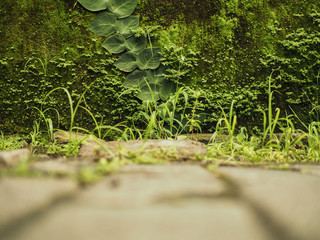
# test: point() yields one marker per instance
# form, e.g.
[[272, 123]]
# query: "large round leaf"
[[115, 44], [149, 92], [104, 24], [160, 72], [149, 82], [167, 88], [149, 58], [127, 62], [94, 5], [154, 77], [136, 44], [122, 8], [125, 26], [135, 79]]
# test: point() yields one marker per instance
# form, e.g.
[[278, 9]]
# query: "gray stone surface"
[[149, 202], [142, 185], [66, 136], [63, 166], [220, 219], [176, 149], [14, 157], [22, 196], [286, 199], [308, 169], [172, 201]]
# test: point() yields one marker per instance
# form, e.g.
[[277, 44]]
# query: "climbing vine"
[[142, 63]]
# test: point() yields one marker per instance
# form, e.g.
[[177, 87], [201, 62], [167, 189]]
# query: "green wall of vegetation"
[[223, 49]]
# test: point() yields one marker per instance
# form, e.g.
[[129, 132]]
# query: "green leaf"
[[122, 8], [156, 76], [136, 44], [125, 26], [161, 71], [149, 80], [94, 5], [115, 44], [127, 62], [135, 79], [149, 58], [166, 89], [149, 91], [103, 24]]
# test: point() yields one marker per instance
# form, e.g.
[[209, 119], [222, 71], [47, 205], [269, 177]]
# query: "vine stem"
[[75, 3], [149, 40]]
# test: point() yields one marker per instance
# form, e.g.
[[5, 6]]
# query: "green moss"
[[47, 45], [42, 28], [231, 43]]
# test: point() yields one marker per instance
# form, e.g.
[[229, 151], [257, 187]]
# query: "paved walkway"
[[176, 201]]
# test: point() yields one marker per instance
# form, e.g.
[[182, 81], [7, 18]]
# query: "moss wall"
[[230, 48], [47, 45], [238, 43]]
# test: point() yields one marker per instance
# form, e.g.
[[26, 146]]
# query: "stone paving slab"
[[289, 200], [20, 197], [172, 201], [139, 185], [223, 220], [152, 202], [308, 169]]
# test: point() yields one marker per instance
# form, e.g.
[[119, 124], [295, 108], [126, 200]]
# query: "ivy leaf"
[[96, 5], [149, 58], [125, 26], [115, 43], [127, 62], [103, 24], [122, 8]]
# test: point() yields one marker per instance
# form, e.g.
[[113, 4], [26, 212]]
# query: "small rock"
[[63, 137], [61, 166], [14, 157], [42, 157], [173, 149]]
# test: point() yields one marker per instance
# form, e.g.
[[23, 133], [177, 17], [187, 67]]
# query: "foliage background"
[[225, 49]]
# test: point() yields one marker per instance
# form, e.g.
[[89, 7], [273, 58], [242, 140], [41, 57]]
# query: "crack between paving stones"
[[272, 226], [12, 230], [186, 197]]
